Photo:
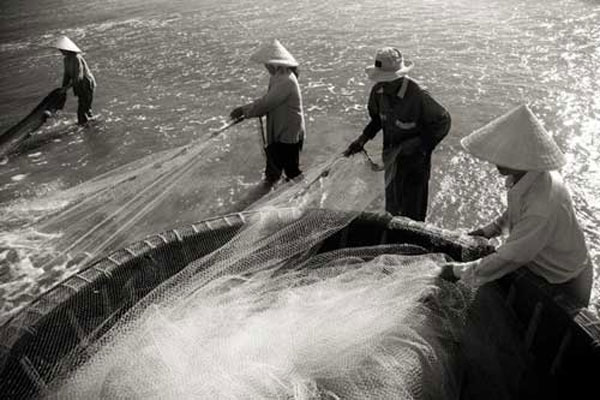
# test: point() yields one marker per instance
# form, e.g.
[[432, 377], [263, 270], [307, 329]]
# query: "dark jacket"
[[409, 116]]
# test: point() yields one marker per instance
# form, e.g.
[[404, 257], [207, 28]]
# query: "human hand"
[[47, 114], [477, 232], [237, 113], [355, 147], [447, 273]]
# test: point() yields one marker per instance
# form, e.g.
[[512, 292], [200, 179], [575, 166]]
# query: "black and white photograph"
[[299, 199]]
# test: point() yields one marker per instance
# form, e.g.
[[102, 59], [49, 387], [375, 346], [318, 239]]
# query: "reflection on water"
[[169, 71]]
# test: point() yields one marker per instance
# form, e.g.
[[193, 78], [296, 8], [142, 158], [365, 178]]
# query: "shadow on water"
[[38, 141]]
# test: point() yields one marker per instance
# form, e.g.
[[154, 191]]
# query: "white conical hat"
[[516, 140], [274, 53], [64, 43]]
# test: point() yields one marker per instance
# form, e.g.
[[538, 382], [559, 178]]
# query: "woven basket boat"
[[562, 342]]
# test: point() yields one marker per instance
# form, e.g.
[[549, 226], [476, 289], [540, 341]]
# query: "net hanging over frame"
[[264, 317], [68, 228]]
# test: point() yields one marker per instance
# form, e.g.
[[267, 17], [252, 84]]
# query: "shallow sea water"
[[168, 72]]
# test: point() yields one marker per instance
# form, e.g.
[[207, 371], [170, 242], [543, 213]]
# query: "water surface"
[[168, 72]]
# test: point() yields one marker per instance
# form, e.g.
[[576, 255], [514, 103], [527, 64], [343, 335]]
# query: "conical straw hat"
[[274, 53], [64, 43], [516, 140]]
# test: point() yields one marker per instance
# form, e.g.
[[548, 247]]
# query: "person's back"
[[565, 249], [285, 120], [77, 72]]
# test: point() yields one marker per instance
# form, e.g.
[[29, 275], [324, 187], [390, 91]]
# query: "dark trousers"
[[84, 105], [407, 185], [282, 157], [494, 357], [577, 290]]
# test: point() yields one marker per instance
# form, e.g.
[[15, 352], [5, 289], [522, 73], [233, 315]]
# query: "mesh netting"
[[346, 327], [99, 211], [65, 229], [263, 316], [245, 321], [261, 309]]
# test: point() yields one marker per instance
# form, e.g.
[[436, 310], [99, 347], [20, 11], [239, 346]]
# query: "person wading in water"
[[413, 124], [78, 76], [282, 104]]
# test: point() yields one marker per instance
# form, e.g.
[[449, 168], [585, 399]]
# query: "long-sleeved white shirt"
[[544, 233]]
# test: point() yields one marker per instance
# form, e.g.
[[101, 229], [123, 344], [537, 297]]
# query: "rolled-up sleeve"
[[276, 95]]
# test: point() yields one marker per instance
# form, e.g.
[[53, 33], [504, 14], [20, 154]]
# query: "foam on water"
[[18, 177]]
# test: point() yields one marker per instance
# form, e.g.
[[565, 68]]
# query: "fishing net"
[[101, 210], [267, 314], [48, 238], [261, 311], [67, 228], [349, 327]]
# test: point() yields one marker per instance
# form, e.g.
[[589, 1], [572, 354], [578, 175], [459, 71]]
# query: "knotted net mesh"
[[262, 317], [51, 236], [256, 312], [353, 327]]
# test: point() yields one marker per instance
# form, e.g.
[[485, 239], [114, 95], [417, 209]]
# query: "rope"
[[374, 165]]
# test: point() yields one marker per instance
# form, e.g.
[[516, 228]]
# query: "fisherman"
[[544, 234], [282, 104], [77, 75], [413, 124]]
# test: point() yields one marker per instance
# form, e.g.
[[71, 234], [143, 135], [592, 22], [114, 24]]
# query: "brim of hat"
[[70, 51], [68, 48], [377, 75], [280, 63], [502, 157], [515, 140]]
